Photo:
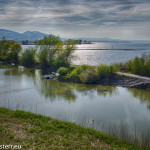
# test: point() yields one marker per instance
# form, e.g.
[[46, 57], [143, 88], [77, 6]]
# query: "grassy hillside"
[[33, 131]]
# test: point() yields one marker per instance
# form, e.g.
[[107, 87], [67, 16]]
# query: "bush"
[[104, 69], [28, 57], [139, 65], [88, 76], [63, 71], [147, 65], [78, 70]]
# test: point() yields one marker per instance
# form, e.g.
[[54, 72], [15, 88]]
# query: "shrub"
[[139, 65], [78, 70], [104, 69], [28, 57], [147, 65], [88, 76], [113, 68], [63, 71]]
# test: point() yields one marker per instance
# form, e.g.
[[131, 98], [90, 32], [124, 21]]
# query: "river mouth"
[[93, 106]]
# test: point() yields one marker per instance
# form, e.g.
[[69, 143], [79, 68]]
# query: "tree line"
[[48, 52]]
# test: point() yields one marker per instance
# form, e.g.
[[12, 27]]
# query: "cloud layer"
[[123, 19]]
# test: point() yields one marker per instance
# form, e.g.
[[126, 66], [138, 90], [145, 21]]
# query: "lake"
[[93, 106], [115, 52]]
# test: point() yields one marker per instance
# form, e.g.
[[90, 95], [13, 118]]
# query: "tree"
[[64, 53], [15, 50], [47, 50], [29, 57], [9, 51]]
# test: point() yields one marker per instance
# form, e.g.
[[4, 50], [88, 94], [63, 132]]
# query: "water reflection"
[[52, 89], [143, 95], [22, 88]]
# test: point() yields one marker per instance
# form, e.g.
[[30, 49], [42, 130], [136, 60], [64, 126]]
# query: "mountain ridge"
[[36, 35], [28, 35]]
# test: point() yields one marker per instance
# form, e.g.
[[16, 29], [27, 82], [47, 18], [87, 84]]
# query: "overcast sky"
[[121, 19]]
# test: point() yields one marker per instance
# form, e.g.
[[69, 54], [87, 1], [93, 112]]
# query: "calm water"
[[25, 89], [109, 56]]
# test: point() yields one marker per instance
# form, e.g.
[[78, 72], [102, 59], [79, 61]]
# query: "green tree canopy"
[[9, 51], [46, 50]]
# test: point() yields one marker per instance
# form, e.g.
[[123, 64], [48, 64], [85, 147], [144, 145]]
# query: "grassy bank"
[[34, 131]]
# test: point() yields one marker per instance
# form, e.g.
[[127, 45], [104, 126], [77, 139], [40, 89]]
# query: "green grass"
[[34, 131]]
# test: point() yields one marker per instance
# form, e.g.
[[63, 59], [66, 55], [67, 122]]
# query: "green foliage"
[[63, 71], [43, 56], [78, 70], [15, 50], [50, 40], [104, 69], [9, 51], [29, 57], [88, 76], [139, 65], [46, 52], [147, 65], [64, 53], [52, 52]]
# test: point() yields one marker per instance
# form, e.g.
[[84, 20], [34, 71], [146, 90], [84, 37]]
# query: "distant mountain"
[[28, 35], [35, 35]]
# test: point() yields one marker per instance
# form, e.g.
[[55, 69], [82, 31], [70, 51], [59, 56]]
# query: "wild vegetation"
[[29, 57], [10, 51], [52, 52], [86, 73], [137, 65], [49, 52], [33, 131]]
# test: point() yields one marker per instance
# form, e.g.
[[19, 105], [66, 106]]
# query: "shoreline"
[[119, 80]]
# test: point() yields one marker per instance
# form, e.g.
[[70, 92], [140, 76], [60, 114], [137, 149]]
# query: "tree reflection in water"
[[53, 89], [143, 95]]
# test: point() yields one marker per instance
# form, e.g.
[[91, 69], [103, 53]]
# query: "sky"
[[118, 19]]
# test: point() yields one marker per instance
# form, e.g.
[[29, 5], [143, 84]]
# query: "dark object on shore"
[[51, 76]]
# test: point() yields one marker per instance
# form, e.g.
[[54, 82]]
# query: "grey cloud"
[[75, 18], [65, 15]]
